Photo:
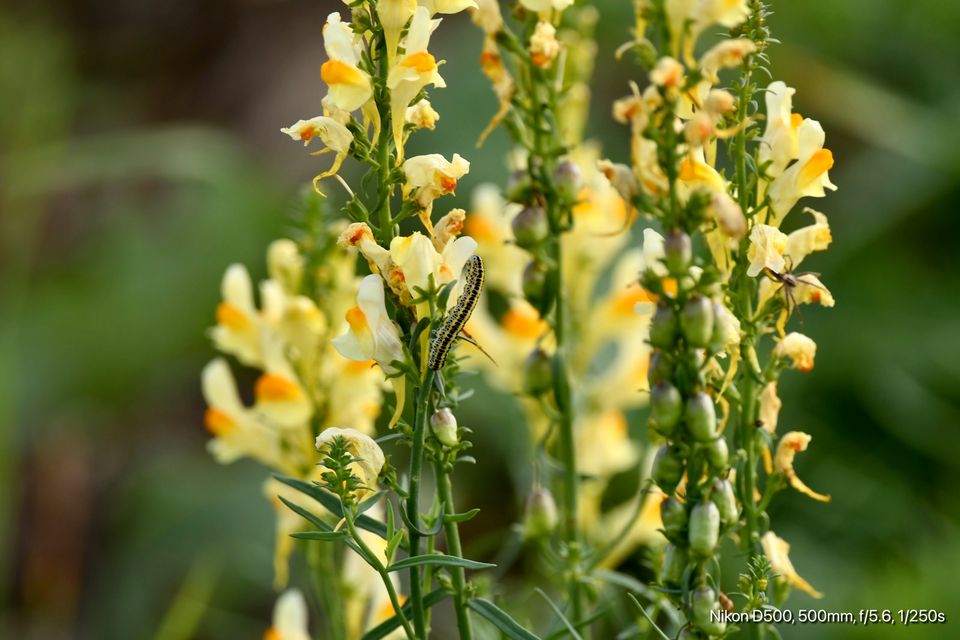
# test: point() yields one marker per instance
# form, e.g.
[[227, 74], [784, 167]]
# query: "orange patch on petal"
[[357, 319], [217, 422], [670, 287], [232, 317], [796, 120], [273, 388], [336, 72], [447, 183], [523, 323], [819, 164], [422, 61], [481, 229], [626, 301], [272, 634], [357, 367]]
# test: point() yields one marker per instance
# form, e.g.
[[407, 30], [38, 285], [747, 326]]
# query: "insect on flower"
[[789, 281], [453, 324]]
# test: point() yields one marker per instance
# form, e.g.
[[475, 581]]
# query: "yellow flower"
[[289, 618], [806, 240], [281, 399], [238, 326], [418, 260], [807, 177], [770, 407], [334, 135], [285, 264], [289, 522], [724, 55], [414, 70], [544, 47], [236, 431], [667, 73], [357, 387], [542, 6], [800, 349], [350, 87], [448, 227], [447, 6], [359, 236], [800, 244], [603, 443], [368, 456], [767, 247], [372, 335], [695, 173], [776, 549], [421, 115], [779, 143], [791, 444], [429, 177], [487, 16], [695, 16], [394, 16], [293, 318], [489, 224]]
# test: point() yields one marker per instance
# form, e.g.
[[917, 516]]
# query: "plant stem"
[[387, 582], [413, 499], [322, 566], [445, 489]]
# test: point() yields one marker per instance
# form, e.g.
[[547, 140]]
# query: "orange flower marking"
[[273, 388], [272, 634], [230, 316], [796, 120], [357, 319], [481, 229], [336, 72], [626, 301], [819, 163], [523, 323], [448, 184], [422, 61], [217, 422]]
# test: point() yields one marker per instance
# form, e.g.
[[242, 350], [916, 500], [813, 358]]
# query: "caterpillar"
[[454, 322]]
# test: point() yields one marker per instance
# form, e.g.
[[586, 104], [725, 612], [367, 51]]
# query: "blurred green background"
[[140, 154]]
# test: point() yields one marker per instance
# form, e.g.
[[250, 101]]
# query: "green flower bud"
[[781, 590], [673, 565], [726, 328], [663, 327], [541, 514], [660, 368], [568, 180], [673, 513], [718, 454], [668, 468], [537, 372], [535, 282], [678, 252], [444, 425], [726, 501], [665, 407], [704, 529], [518, 186], [705, 604], [696, 320], [701, 417], [530, 227]]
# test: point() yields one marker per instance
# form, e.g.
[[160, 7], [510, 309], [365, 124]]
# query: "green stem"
[[413, 499], [387, 582], [452, 531], [322, 566]]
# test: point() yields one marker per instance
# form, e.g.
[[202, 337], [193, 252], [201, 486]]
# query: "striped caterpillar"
[[454, 322]]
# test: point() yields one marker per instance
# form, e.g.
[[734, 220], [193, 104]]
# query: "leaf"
[[384, 628], [332, 504], [461, 517], [306, 515], [369, 502], [326, 536], [501, 620], [556, 610], [647, 616], [440, 560]]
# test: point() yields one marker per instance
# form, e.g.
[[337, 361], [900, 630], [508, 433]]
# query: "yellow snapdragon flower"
[[368, 456], [792, 443], [394, 16], [350, 87], [237, 331], [777, 551], [767, 247], [807, 177], [289, 618], [779, 143], [799, 349], [334, 135], [430, 176], [371, 335]]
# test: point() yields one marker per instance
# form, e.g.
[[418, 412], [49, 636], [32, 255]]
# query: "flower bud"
[[696, 320], [537, 373], [444, 425], [667, 468], [718, 454], [705, 604], [530, 226], [719, 102], [568, 180], [534, 282], [673, 565], [517, 185], [663, 327], [704, 529], [659, 369], [701, 417], [665, 407], [673, 514], [728, 215], [541, 514], [725, 500], [726, 328], [678, 251]]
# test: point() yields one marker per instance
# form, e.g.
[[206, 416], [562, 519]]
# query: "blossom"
[[422, 115], [603, 443], [448, 227], [767, 246], [800, 244], [289, 618], [807, 177], [770, 404], [285, 264], [695, 173], [668, 74], [359, 236], [489, 224], [419, 261], [368, 458], [350, 87], [394, 16], [800, 349], [487, 16], [698, 15], [447, 6], [414, 70], [541, 6], [544, 47], [779, 143], [431, 176], [372, 335], [334, 135], [790, 445], [238, 326], [724, 55], [776, 549]]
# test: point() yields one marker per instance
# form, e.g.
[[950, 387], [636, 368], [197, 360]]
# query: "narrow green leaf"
[[440, 560], [647, 616], [461, 517], [501, 620], [326, 536], [384, 628], [556, 610], [332, 504], [370, 502], [309, 517]]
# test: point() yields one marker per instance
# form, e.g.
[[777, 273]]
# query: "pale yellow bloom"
[[350, 87], [603, 443], [779, 143], [368, 456], [724, 55], [667, 73], [790, 445], [357, 388], [289, 618], [807, 177], [806, 240], [689, 18], [770, 404], [800, 244], [448, 227], [777, 551], [372, 335], [285, 264], [280, 397], [799, 349], [413, 70], [695, 173], [544, 47], [487, 16], [430, 176], [489, 224], [359, 236], [419, 261], [422, 115], [331, 110], [394, 16], [728, 215], [447, 6], [542, 6], [289, 522], [767, 247], [293, 318], [238, 325]]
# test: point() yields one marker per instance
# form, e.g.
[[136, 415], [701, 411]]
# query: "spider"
[[789, 281]]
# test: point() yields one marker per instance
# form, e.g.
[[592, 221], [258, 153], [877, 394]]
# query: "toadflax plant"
[[548, 294]]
